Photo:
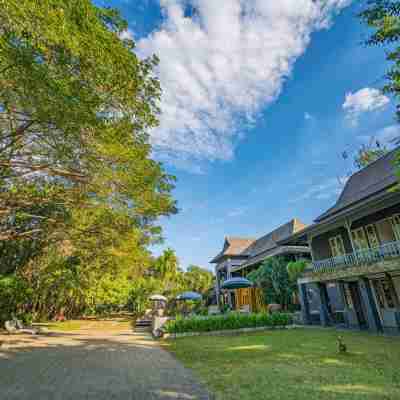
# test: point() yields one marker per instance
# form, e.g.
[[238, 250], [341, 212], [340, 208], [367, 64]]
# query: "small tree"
[[273, 278]]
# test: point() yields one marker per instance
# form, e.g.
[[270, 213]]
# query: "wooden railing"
[[365, 256]]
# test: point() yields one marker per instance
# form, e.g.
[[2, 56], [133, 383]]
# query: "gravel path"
[[92, 365]]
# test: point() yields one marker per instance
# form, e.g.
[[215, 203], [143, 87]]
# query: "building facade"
[[240, 256], [354, 277]]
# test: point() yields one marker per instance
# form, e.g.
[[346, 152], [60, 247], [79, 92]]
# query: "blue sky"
[[260, 101]]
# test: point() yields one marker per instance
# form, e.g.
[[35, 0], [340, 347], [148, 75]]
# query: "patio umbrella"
[[236, 283], [158, 297], [189, 296]]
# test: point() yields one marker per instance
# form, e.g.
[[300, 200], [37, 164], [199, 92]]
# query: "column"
[[342, 293], [323, 301], [372, 314], [217, 287], [305, 307]]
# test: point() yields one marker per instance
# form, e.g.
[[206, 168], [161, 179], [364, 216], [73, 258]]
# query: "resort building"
[[239, 256], [354, 277]]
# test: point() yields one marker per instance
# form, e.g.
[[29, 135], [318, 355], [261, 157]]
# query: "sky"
[[260, 101]]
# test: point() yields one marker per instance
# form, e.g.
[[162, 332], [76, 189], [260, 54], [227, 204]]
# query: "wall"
[[370, 219], [320, 244]]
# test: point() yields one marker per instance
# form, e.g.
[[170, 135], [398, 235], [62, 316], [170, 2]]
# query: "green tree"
[[75, 108], [273, 278], [198, 279]]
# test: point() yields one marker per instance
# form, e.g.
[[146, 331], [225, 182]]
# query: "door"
[[358, 304]]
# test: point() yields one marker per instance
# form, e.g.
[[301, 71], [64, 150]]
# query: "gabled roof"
[[233, 246], [374, 178], [269, 241]]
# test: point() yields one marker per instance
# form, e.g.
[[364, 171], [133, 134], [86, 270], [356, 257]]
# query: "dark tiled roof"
[[376, 177], [233, 246], [269, 241]]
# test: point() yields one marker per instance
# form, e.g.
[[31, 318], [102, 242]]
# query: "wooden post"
[[347, 224]]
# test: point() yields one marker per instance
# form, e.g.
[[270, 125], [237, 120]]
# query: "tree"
[[273, 278], [75, 107], [383, 17], [80, 194], [198, 279]]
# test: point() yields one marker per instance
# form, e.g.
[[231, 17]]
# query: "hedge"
[[225, 322]]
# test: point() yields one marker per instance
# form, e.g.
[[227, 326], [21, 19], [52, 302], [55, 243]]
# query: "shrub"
[[14, 296], [227, 322]]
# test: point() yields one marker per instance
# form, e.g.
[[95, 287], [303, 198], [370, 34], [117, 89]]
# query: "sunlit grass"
[[92, 324], [301, 364]]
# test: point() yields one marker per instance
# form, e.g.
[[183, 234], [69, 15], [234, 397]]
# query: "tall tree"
[[76, 104]]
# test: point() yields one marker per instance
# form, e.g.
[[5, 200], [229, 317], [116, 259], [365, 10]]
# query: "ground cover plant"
[[225, 322], [295, 364]]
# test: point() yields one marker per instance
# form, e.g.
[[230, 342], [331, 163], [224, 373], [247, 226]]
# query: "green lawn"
[[109, 324], [301, 364]]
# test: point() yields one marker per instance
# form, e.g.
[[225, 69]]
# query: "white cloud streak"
[[364, 100], [222, 65]]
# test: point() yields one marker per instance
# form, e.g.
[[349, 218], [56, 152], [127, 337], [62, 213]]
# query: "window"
[[396, 225], [359, 239], [347, 296], [384, 293], [372, 236], [337, 246]]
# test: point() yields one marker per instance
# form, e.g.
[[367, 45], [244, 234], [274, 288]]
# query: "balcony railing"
[[365, 256]]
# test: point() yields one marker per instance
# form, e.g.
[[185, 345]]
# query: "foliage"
[[295, 269], [383, 17], [198, 279], [14, 296], [80, 194], [75, 107], [295, 364], [225, 322], [273, 277]]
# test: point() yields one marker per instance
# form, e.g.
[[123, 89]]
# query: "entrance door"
[[357, 302]]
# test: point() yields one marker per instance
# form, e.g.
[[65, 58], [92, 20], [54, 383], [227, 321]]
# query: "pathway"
[[92, 365]]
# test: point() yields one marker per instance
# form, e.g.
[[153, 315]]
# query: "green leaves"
[[227, 322]]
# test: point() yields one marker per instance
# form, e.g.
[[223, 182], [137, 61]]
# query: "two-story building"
[[354, 278], [240, 256]]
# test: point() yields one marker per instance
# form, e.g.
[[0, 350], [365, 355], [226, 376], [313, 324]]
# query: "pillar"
[[305, 307], [372, 315], [342, 293], [323, 301]]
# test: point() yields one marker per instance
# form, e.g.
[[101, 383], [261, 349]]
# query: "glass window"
[[337, 246], [359, 239], [384, 294], [396, 225], [372, 236], [347, 295]]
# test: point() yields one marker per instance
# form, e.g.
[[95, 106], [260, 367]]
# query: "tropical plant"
[[273, 278]]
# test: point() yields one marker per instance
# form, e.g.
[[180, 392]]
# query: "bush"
[[226, 322], [14, 296]]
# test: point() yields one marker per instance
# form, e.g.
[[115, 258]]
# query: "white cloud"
[[331, 188], [364, 100], [220, 66], [237, 212], [127, 34], [387, 136], [307, 116]]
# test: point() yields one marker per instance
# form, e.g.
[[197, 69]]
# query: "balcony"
[[384, 252]]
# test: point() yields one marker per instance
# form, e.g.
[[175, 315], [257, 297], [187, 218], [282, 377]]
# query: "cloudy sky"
[[261, 99]]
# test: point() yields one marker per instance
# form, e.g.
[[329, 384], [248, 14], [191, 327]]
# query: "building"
[[354, 278], [239, 256]]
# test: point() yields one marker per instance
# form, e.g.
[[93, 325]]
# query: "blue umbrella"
[[236, 283], [189, 296]]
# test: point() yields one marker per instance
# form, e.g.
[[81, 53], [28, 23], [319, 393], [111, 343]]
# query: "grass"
[[300, 364], [106, 324]]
